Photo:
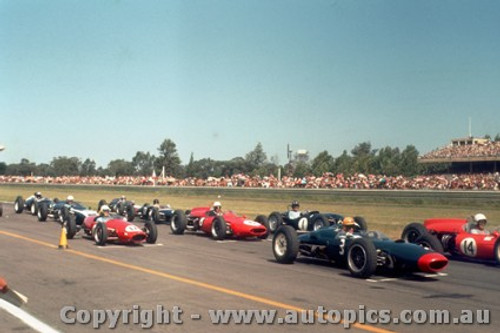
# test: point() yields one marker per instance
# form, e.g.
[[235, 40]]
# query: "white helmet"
[[217, 204], [70, 198], [105, 208], [479, 217]]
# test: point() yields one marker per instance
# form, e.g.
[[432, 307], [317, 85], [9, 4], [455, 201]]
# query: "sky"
[[104, 79]]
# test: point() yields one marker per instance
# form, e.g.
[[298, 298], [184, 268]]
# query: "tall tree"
[[169, 159], [256, 158], [409, 161], [66, 166], [143, 163], [120, 167], [88, 168], [322, 163]]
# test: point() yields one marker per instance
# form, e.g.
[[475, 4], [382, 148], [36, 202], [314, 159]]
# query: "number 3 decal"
[[342, 246], [468, 247]]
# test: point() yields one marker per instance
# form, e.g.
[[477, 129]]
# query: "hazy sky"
[[107, 78]]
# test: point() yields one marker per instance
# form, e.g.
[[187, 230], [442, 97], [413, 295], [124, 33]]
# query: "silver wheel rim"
[[172, 224], [352, 263], [214, 232], [16, 206], [33, 209], [317, 225], [280, 244], [273, 223]]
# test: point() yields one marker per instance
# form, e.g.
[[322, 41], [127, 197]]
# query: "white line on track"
[[28, 319], [226, 241]]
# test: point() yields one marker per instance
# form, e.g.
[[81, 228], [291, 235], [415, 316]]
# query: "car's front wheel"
[[219, 228], [178, 222], [430, 242], [413, 231], [285, 245], [151, 232], [362, 258], [262, 219], [100, 233], [19, 205]]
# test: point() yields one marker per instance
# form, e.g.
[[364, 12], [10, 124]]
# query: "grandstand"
[[467, 154]]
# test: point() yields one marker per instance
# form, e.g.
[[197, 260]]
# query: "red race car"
[[116, 228], [455, 236], [220, 225]]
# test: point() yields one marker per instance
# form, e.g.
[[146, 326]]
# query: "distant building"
[[467, 154]]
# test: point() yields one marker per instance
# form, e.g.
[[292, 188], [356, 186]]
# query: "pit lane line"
[[199, 284]]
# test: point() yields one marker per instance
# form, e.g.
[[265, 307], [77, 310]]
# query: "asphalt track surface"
[[198, 274]]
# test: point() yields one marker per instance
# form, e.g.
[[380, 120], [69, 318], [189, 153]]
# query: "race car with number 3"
[[454, 235], [362, 251], [220, 226]]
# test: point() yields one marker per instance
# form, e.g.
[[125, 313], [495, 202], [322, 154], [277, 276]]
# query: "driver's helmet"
[[295, 204], [217, 205], [38, 195], [70, 199], [156, 202], [123, 198], [480, 219], [105, 210], [348, 222]]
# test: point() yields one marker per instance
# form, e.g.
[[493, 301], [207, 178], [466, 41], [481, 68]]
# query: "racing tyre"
[[412, 231], [120, 209], [19, 205], [219, 228], [496, 254], [275, 220], [285, 245], [178, 222], [70, 225], [100, 204], [1, 210], [100, 233], [34, 207], [130, 213], [361, 222], [262, 219], [430, 242], [154, 215], [362, 258], [319, 222], [151, 231], [63, 214], [42, 213]]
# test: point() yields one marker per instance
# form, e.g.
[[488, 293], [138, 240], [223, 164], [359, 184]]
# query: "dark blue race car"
[[361, 251]]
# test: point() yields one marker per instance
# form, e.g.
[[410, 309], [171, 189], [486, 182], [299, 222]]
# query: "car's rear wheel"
[[262, 219], [413, 231], [496, 254], [130, 213], [100, 233], [362, 258], [178, 222], [1, 210], [154, 215], [63, 213], [430, 242], [19, 205], [285, 245], [219, 228], [151, 232], [43, 211], [320, 222], [275, 220], [101, 203], [361, 222]]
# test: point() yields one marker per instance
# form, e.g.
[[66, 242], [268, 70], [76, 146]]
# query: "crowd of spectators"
[[480, 181], [488, 149]]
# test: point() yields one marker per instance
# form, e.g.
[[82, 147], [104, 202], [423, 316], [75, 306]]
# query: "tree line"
[[361, 159]]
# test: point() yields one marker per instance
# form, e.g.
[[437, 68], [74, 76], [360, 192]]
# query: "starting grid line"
[[118, 246], [378, 280]]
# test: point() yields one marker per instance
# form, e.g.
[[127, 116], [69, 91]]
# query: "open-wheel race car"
[[30, 204], [363, 252], [69, 212], [126, 208], [116, 228], [457, 237], [220, 225], [309, 220]]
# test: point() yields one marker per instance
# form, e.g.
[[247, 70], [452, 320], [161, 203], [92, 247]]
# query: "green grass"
[[387, 213]]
